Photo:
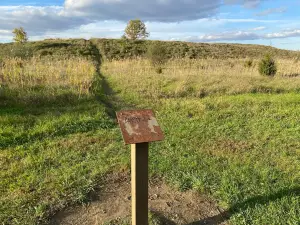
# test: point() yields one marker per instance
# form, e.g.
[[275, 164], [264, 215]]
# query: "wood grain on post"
[[139, 183]]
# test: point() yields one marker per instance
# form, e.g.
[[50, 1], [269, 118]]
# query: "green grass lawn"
[[243, 150], [52, 155]]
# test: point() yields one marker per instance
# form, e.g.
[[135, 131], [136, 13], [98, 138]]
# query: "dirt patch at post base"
[[114, 201]]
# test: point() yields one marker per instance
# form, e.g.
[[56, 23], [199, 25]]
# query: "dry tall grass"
[[198, 78], [74, 74]]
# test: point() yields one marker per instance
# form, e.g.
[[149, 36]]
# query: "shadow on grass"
[[28, 110], [37, 100], [104, 93], [249, 203], [40, 101], [59, 130]]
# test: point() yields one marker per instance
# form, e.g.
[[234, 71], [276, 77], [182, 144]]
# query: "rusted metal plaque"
[[139, 126]]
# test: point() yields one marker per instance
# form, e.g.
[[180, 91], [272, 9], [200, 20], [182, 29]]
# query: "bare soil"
[[114, 201]]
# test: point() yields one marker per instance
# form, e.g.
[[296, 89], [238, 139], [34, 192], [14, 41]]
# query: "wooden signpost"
[[139, 127]]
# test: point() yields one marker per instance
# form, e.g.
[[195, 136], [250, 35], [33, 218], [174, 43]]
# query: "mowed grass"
[[238, 145], [56, 139]]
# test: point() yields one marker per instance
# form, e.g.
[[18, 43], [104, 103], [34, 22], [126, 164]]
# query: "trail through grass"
[[230, 135], [56, 139]]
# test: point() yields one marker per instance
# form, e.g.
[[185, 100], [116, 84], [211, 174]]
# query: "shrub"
[[158, 70], [191, 54], [21, 51], [44, 53], [248, 63], [157, 55], [267, 66]]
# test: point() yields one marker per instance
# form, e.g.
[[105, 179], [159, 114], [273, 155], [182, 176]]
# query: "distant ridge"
[[121, 49]]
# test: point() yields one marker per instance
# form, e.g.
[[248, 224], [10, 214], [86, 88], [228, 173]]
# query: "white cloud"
[[284, 34], [259, 28], [241, 36], [252, 3], [5, 32], [152, 10], [246, 3], [272, 11], [166, 18], [37, 20], [247, 20], [225, 36]]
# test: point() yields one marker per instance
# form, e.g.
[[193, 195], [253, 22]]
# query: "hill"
[[231, 134], [122, 49]]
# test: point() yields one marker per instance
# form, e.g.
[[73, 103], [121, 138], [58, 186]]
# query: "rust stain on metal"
[[139, 126]]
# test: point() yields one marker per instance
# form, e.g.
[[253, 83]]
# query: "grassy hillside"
[[122, 49], [230, 132], [57, 48]]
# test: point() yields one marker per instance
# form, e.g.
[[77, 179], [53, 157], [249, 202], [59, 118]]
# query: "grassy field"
[[201, 78], [240, 144], [230, 132], [56, 139]]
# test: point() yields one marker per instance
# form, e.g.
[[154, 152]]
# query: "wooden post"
[[139, 127], [139, 183]]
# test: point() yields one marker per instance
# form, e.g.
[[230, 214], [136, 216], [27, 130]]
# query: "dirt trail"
[[114, 201]]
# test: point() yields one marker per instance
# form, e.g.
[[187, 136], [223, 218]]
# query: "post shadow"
[[249, 203]]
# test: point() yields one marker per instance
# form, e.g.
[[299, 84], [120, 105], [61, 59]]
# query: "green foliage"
[[229, 133], [157, 56], [192, 53], [22, 51], [124, 49], [45, 167], [267, 66], [20, 35], [136, 29], [57, 48]]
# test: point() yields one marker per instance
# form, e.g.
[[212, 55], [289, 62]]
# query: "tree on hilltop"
[[136, 29], [20, 35]]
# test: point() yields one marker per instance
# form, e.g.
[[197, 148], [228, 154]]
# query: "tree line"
[[136, 30]]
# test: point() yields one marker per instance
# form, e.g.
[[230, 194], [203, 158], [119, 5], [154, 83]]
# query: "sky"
[[266, 22]]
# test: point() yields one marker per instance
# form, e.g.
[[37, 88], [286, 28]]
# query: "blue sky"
[[266, 22]]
